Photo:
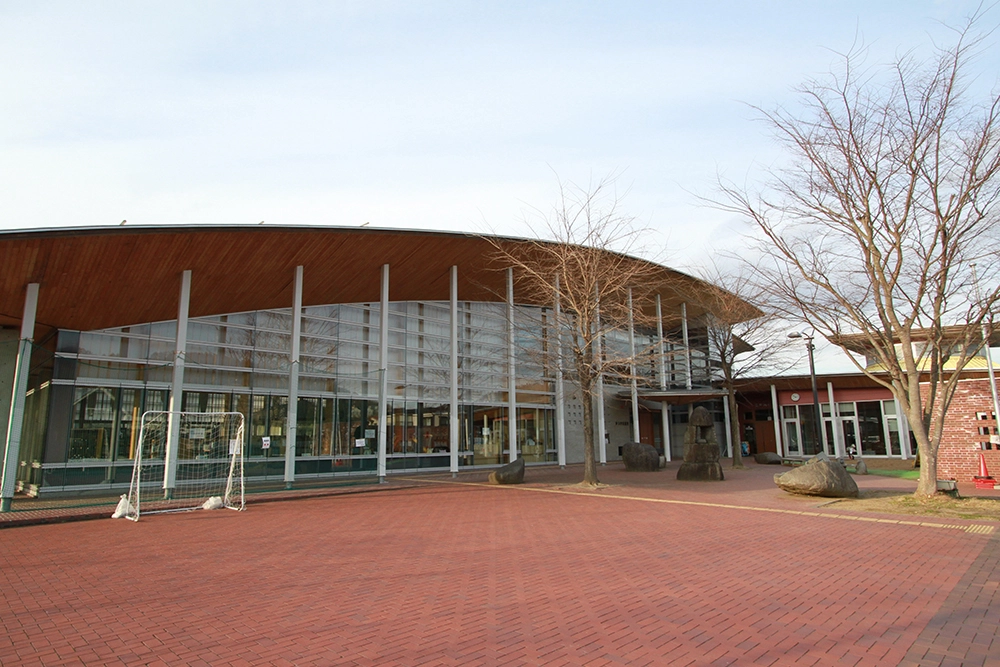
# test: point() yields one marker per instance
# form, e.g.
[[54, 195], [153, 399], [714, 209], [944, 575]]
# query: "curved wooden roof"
[[98, 277]]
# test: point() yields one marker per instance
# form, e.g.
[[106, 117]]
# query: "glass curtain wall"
[[240, 362]]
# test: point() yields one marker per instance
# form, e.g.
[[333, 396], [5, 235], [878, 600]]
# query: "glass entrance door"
[[848, 435]]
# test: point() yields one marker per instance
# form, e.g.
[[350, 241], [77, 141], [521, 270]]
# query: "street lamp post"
[[989, 357], [817, 414]]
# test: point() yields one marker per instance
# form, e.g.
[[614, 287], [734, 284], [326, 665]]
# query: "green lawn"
[[902, 474]]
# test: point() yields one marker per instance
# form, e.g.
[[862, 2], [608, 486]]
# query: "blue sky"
[[440, 115]]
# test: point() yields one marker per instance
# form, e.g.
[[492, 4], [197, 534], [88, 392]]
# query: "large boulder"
[[640, 458], [819, 476], [512, 473], [767, 458]]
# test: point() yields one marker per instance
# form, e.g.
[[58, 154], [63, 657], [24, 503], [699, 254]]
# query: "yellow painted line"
[[977, 529]]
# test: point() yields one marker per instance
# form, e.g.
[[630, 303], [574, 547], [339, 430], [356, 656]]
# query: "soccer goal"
[[203, 470]]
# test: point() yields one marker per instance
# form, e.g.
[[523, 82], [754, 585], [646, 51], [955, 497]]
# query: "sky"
[[428, 115]]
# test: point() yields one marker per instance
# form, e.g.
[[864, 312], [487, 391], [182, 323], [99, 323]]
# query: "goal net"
[[204, 470]]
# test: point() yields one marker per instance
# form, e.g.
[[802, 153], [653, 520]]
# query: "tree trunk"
[[589, 458], [927, 486], [927, 453]]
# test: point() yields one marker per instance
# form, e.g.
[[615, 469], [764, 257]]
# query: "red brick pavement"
[[463, 574]]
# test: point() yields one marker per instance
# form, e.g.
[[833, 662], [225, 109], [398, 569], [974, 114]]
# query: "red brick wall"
[[958, 456]]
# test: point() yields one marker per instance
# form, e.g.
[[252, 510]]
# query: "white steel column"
[[904, 431], [18, 397], [664, 408], [729, 430], [635, 381], [560, 395], [511, 369], [687, 343], [838, 446], [453, 432], [177, 388], [602, 446], [291, 438], [383, 362], [777, 421]]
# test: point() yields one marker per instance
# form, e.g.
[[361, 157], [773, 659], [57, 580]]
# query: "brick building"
[[861, 417]]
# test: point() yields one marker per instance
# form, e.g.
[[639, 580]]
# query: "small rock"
[[861, 467], [512, 473], [767, 458]]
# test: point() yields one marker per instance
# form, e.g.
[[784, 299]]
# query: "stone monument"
[[701, 449]]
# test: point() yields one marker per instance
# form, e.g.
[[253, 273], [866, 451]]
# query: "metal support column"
[[727, 420], [511, 370], [904, 431], [453, 432], [838, 447], [635, 382], [291, 439], [664, 407], [687, 345], [383, 362], [777, 421], [560, 391], [177, 388], [18, 397], [602, 440]]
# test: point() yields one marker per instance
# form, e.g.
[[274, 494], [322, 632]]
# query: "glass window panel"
[[164, 330], [270, 340], [329, 311], [275, 320], [893, 427], [128, 423], [328, 426], [307, 427], [870, 428], [258, 424], [319, 346], [93, 423], [845, 409]]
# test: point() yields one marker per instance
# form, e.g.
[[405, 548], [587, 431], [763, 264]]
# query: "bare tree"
[[586, 267], [746, 338], [869, 234]]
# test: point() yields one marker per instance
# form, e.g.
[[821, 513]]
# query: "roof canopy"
[[99, 277]]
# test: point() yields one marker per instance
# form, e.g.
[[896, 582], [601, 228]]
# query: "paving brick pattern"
[[463, 574]]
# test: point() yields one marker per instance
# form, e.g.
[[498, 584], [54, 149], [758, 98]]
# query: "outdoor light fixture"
[[817, 417]]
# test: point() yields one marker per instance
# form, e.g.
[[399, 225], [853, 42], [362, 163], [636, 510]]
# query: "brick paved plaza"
[[648, 571]]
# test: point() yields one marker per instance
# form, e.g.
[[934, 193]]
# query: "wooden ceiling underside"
[[93, 278]]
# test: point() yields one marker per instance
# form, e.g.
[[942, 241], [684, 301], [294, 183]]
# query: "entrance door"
[[792, 446], [849, 436]]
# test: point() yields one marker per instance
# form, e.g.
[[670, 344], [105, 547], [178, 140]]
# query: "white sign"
[[233, 444], [265, 442], [995, 439], [359, 442], [197, 433]]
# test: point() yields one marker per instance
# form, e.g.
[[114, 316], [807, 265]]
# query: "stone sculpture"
[[701, 449]]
